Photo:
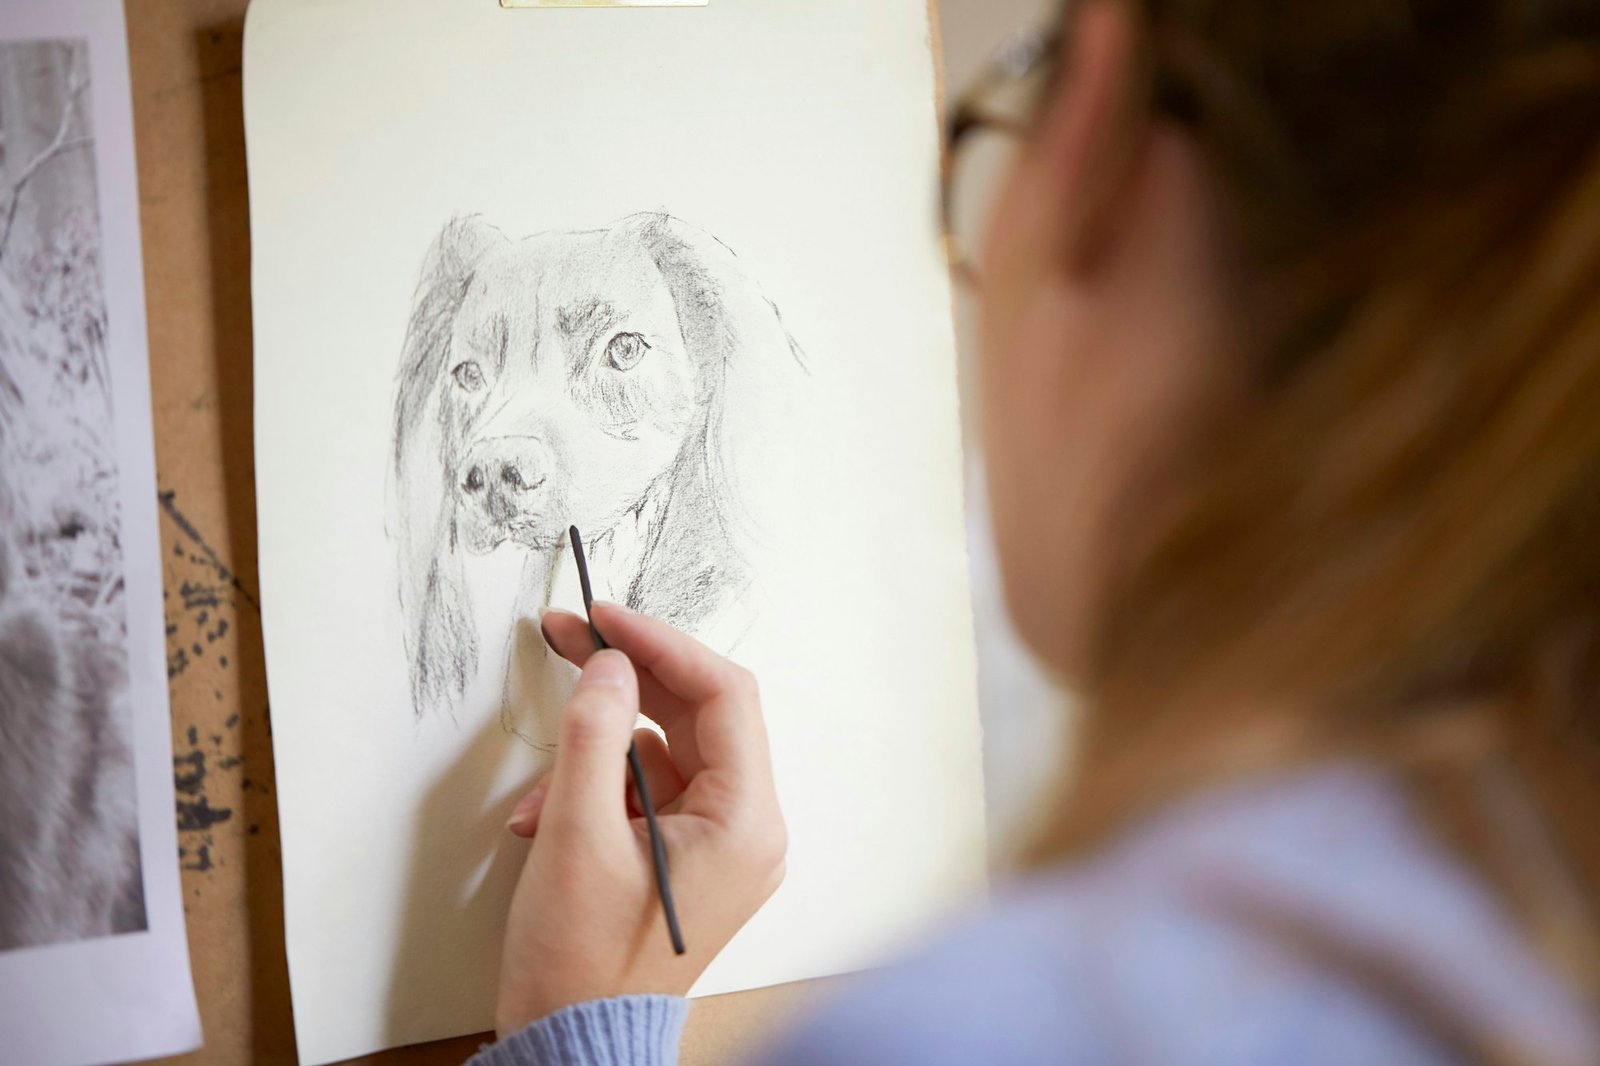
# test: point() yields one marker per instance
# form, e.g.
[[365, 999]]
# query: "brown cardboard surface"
[[188, 120]]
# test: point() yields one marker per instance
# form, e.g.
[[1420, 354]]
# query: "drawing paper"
[[94, 965], [672, 275]]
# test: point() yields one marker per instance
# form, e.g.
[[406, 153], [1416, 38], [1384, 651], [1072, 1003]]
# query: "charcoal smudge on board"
[[202, 597]]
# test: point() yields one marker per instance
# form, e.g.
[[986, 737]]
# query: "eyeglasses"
[[985, 131]]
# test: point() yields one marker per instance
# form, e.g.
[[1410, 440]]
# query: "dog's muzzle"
[[501, 478]]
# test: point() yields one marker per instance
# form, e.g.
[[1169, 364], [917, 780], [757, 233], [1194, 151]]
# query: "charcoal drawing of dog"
[[69, 851], [573, 377]]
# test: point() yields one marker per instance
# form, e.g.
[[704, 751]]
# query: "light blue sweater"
[[1138, 957]]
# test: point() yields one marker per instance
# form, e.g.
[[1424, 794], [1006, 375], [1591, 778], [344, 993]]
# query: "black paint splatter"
[[169, 505], [189, 772], [201, 594], [198, 814]]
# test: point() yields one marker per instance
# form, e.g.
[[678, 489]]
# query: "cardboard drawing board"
[[185, 58], [513, 271]]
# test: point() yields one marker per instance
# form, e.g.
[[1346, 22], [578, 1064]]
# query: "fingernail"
[[544, 624], [527, 809], [613, 606], [605, 668]]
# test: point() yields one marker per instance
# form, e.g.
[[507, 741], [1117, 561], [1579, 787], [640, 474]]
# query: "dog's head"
[[567, 356], [559, 379]]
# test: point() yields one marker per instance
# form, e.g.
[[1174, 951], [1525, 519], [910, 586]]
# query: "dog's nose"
[[501, 479], [507, 474]]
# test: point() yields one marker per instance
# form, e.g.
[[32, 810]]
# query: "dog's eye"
[[625, 351], [469, 376]]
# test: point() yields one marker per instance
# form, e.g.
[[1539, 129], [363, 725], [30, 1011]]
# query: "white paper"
[[94, 965], [799, 137]]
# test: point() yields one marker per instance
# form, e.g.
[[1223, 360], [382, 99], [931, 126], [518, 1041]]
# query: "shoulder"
[[1006, 985], [1157, 949]]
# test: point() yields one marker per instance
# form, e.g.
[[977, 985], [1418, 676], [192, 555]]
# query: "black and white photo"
[[69, 844], [94, 959]]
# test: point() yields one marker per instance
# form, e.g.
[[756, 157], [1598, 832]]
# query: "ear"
[[441, 643], [721, 307], [746, 357]]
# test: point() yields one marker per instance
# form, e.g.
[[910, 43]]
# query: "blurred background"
[[1025, 716]]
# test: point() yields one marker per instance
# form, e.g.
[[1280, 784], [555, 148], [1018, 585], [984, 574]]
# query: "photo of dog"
[[571, 378], [69, 836]]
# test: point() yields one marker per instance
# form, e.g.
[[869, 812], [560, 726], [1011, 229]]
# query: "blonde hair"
[[1395, 550]]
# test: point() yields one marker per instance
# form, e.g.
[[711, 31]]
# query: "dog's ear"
[[721, 307], [747, 360], [441, 641]]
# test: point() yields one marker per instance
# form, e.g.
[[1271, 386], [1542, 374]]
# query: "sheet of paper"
[[672, 275], [94, 966]]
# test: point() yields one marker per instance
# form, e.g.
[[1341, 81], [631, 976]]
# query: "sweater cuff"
[[625, 1031]]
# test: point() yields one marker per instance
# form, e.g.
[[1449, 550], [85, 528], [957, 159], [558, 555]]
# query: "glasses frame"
[[1024, 55]]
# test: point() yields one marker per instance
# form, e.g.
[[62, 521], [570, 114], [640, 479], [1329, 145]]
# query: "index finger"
[[684, 666], [723, 708], [568, 635]]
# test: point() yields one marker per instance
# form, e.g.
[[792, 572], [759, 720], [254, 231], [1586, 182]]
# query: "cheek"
[[637, 424], [1042, 406], [1060, 451], [671, 403], [1036, 379], [648, 399], [1083, 427], [616, 401], [1041, 484]]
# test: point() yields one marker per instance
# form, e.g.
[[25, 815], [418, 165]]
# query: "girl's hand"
[[585, 921]]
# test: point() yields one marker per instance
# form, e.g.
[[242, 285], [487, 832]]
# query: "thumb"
[[591, 768]]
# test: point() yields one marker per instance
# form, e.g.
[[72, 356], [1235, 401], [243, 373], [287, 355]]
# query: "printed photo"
[[69, 843]]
